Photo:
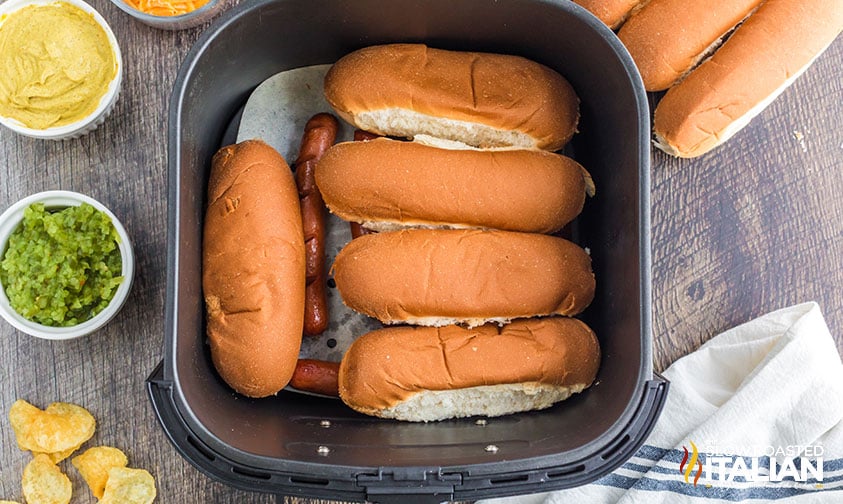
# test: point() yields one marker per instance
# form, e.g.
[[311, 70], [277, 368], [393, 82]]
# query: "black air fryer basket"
[[300, 445]]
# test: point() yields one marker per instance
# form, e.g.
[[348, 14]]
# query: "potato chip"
[[128, 486], [58, 430], [8, 502], [22, 415], [94, 464], [44, 483], [57, 457]]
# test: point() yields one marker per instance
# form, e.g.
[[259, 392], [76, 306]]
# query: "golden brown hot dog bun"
[[667, 38], [757, 63], [439, 277], [428, 373], [387, 184], [480, 99], [253, 268], [612, 12]]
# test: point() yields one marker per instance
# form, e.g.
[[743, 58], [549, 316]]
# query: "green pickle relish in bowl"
[[61, 267], [66, 265]]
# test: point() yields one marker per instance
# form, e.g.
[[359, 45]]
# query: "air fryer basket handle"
[[407, 499], [438, 486], [431, 485]]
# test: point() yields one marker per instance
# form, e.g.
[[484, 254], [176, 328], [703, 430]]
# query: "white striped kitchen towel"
[[754, 415]]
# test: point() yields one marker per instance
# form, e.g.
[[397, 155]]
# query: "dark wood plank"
[[754, 226]]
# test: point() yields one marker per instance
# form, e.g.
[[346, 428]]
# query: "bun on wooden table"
[[763, 57]]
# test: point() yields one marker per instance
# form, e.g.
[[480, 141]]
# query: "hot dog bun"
[[387, 184], [253, 268], [667, 38], [427, 373], [480, 99], [757, 63], [612, 12], [440, 277]]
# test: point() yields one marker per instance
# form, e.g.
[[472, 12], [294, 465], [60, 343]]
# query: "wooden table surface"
[[754, 226]]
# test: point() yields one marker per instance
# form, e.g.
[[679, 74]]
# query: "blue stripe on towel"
[[701, 491], [651, 452], [833, 464]]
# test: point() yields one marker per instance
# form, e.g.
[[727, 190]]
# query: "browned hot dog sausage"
[[317, 376], [363, 136], [358, 230], [319, 134]]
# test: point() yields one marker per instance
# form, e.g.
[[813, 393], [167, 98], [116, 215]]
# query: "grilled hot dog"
[[317, 376], [319, 134]]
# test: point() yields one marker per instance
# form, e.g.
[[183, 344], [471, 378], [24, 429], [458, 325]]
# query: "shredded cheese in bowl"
[[166, 7], [171, 14]]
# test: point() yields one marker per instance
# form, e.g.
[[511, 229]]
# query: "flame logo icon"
[[695, 459]]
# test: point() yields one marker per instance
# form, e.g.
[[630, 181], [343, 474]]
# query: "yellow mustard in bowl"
[[56, 64]]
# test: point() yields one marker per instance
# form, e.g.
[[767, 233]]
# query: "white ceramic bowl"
[[189, 20], [9, 221], [107, 102]]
